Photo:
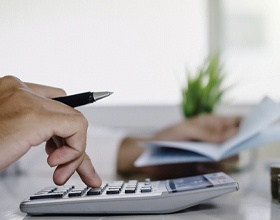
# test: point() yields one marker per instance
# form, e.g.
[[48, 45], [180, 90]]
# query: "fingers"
[[66, 148], [10, 82], [216, 122], [88, 174], [213, 128], [51, 145], [45, 91], [71, 128], [63, 155], [63, 172], [186, 131], [84, 168], [68, 156], [69, 162], [209, 135]]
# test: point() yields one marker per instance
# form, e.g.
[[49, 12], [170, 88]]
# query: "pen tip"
[[101, 95]]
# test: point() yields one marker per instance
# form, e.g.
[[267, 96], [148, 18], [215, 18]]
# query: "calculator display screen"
[[188, 183]]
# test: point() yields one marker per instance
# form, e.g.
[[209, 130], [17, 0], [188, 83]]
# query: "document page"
[[256, 129]]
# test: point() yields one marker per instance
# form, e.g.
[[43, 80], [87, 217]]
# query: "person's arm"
[[29, 117], [209, 128]]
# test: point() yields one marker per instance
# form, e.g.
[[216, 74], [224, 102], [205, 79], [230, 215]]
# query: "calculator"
[[129, 197]]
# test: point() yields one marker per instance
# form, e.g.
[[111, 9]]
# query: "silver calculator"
[[129, 197]]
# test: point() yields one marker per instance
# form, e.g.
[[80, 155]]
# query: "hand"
[[28, 117], [208, 128], [205, 127]]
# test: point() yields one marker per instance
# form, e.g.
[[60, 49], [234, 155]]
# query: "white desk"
[[252, 201]]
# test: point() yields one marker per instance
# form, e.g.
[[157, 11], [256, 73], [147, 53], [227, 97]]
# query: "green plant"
[[203, 91]]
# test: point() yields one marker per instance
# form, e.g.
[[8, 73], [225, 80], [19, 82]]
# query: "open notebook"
[[256, 129]]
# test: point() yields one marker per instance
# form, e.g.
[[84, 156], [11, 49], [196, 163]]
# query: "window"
[[249, 40]]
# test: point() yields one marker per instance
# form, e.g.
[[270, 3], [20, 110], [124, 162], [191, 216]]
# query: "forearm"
[[129, 151]]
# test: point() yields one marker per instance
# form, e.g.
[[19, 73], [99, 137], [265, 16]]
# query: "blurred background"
[[140, 50], [143, 51]]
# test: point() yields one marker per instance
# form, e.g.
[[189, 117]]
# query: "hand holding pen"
[[28, 118]]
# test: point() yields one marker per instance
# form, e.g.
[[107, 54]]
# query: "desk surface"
[[252, 201]]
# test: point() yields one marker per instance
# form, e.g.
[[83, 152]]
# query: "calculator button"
[[130, 190], [115, 187], [79, 189], [132, 183], [118, 184], [148, 180], [113, 191], [94, 191], [145, 189], [47, 196], [51, 193], [49, 189], [75, 193], [97, 191]]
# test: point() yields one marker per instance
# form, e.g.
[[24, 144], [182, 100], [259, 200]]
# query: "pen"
[[82, 98]]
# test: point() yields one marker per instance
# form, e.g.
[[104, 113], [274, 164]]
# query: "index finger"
[[85, 170], [45, 91], [88, 174]]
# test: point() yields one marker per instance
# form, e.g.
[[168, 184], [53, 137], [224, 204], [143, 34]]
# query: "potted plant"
[[203, 91]]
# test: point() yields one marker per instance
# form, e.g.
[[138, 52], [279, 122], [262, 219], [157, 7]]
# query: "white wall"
[[136, 48], [250, 43]]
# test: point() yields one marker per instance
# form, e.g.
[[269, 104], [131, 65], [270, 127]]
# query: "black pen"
[[82, 98]]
